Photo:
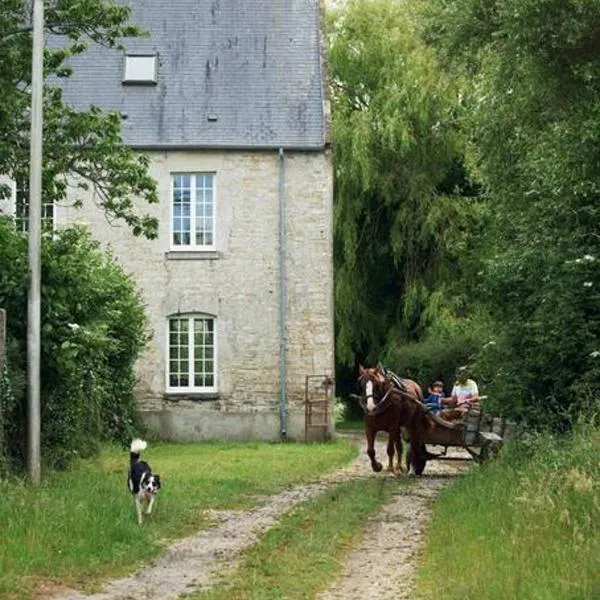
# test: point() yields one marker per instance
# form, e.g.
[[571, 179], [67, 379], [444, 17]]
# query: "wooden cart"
[[478, 434]]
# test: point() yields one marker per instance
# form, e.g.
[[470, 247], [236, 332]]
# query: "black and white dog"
[[142, 483]]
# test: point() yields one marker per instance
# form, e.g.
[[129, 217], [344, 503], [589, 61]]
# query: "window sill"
[[192, 396], [192, 255]]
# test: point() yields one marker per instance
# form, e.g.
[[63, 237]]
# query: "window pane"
[[140, 69], [202, 360], [204, 209], [203, 349], [22, 208], [178, 351], [182, 181], [181, 210]]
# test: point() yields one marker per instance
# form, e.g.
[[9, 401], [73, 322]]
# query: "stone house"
[[228, 99]]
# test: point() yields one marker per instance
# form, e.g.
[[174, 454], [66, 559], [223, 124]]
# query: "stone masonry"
[[237, 284], [2, 339]]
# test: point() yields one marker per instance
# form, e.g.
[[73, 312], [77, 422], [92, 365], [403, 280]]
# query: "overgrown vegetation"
[[467, 212], [524, 526], [80, 526], [93, 326], [399, 218], [93, 330]]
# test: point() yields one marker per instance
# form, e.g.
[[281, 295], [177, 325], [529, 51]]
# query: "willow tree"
[[531, 84], [400, 215]]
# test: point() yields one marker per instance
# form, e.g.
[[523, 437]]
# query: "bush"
[[448, 344], [93, 330]]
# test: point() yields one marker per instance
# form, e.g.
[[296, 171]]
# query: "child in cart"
[[434, 400]]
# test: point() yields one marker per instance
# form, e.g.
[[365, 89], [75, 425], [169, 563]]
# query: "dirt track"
[[380, 568]]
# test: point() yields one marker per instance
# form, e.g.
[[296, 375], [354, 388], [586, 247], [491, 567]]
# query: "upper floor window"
[[140, 68], [193, 211], [21, 204], [192, 354]]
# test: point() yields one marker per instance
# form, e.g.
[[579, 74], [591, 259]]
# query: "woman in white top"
[[464, 393]]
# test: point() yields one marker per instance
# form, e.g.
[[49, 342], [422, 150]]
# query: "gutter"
[[320, 147], [282, 301]]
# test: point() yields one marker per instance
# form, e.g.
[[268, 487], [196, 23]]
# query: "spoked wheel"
[[419, 467]]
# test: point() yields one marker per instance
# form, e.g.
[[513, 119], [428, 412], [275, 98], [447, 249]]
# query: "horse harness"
[[397, 385], [382, 405]]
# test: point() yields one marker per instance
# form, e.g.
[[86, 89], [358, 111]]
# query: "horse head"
[[374, 387]]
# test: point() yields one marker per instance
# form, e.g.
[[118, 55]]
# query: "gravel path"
[[379, 568], [382, 566]]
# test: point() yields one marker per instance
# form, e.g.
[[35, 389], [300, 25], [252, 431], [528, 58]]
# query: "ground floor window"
[[192, 356]]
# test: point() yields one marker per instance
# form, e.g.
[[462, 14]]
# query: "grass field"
[[301, 555], [79, 526], [526, 526]]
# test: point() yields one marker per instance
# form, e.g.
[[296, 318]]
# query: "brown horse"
[[389, 404]]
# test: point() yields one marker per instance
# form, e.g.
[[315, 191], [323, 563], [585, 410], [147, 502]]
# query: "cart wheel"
[[421, 462]]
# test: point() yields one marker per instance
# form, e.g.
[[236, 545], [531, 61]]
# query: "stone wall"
[[238, 285], [2, 339]]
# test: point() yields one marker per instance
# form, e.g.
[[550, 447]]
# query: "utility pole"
[[35, 238]]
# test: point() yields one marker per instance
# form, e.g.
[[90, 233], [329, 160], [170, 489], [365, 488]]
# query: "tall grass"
[[80, 527], [526, 526]]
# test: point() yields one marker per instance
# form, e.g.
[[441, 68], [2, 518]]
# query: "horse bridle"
[[379, 406]]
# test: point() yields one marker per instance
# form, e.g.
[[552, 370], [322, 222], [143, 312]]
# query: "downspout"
[[282, 302]]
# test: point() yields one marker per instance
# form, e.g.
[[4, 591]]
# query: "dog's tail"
[[136, 449]]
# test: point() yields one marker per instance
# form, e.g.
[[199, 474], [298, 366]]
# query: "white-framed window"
[[20, 201], [192, 354], [193, 211], [140, 69]]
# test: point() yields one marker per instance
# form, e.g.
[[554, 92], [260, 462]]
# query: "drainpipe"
[[282, 302]]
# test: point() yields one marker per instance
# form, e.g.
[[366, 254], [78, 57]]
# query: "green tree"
[[530, 76], [81, 146], [402, 210], [93, 330]]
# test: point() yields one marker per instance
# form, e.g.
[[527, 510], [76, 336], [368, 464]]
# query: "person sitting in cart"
[[435, 398], [464, 393]]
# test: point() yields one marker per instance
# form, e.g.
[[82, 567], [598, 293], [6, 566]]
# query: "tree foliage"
[[507, 90], [81, 146], [401, 214], [93, 330], [531, 82]]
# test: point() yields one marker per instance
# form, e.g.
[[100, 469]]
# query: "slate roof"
[[253, 65]]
